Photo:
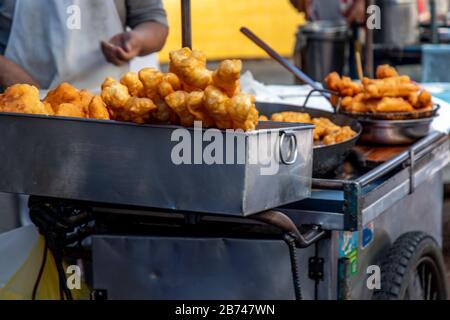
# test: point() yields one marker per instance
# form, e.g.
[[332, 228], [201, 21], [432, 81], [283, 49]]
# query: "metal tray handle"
[[292, 155]]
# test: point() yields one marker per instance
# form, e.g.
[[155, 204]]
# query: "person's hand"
[[356, 13], [11, 73], [122, 47], [304, 6]]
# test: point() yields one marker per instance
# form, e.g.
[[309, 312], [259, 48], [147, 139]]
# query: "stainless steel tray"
[[123, 163], [395, 128]]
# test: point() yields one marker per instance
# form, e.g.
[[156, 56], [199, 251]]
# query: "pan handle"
[[438, 106], [325, 92], [292, 155]]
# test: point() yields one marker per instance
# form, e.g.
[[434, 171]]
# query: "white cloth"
[[150, 61], [17, 246], [43, 44]]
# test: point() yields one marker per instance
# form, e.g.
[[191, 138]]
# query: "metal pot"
[[322, 47], [399, 23]]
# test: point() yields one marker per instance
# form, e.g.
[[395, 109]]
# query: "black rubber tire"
[[407, 254]]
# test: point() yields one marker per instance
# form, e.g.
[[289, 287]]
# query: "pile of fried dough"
[[63, 101], [188, 93], [325, 132], [390, 92]]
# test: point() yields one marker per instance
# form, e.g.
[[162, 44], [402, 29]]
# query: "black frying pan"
[[326, 158]]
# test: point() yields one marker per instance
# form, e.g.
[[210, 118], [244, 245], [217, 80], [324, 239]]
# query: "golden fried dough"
[[324, 126], [125, 107], [115, 94], [227, 76], [386, 71], [64, 93], [23, 98], [390, 92], [188, 93], [177, 101], [162, 114], [338, 136], [150, 78], [69, 110], [169, 84], [344, 86], [190, 67], [388, 104], [216, 105], [196, 106], [325, 129], [289, 116], [138, 110], [242, 111], [421, 100], [360, 104], [390, 87], [85, 100], [97, 109], [357, 104], [133, 83]]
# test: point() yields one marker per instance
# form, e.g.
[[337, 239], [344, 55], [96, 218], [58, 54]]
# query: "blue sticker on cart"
[[367, 235], [348, 242], [348, 248]]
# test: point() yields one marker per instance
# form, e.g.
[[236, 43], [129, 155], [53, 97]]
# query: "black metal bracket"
[[315, 268], [285, 224]]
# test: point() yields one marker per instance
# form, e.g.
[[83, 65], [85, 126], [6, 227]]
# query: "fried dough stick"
[[390, 87]]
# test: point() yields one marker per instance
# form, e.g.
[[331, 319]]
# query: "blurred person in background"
[[352, 11], [46, 42]]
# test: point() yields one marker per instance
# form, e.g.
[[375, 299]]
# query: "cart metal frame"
[[402, 195]]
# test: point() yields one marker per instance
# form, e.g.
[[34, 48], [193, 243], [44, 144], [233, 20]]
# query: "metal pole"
[[433, 22], [186, 23], [368, 52]]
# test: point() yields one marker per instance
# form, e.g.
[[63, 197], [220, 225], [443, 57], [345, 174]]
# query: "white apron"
[[42, 43]]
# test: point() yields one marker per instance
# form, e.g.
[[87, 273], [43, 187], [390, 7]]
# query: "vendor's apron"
[[43, 44]]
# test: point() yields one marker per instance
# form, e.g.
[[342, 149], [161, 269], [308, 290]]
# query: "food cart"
[[106, 195], [371, 214]]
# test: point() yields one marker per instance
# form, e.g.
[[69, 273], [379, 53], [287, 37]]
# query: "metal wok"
[[326, 158]]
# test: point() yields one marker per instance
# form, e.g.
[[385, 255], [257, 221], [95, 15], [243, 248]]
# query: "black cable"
[[65, 293], [41, 270], [316, 281], [294, 266]]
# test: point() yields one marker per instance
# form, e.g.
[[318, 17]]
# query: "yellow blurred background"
[[216, 24]]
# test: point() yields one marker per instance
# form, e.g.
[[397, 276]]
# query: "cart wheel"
[[413, 269]]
